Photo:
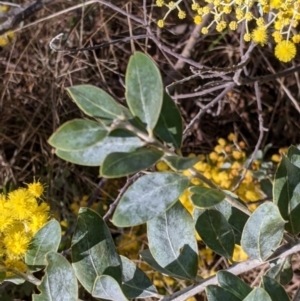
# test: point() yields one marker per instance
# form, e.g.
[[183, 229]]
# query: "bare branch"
[[260, 138], [18, 14], [238, 269]]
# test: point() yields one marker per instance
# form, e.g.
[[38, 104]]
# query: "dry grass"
[[34, 102]]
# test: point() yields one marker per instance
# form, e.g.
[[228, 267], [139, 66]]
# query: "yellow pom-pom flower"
[[181, 14], [285, 51], [197, 20], [22, 215], [36, 189], [160, 3], [160, 23], [260, 36]]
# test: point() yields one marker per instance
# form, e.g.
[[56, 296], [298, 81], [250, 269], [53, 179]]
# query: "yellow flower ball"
[[160, 23], [162, 166], [36, 189], [213, 156], [222, 141], [6, 38], [218, 149], [195, 6], [160, 3], [197, 19], [285, 51], [232, 137], [260, 36], [233, 25], [276, 158], [181, 14], [237, 155], [247, 37], [204, 30]]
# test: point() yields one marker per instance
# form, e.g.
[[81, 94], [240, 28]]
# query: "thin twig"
[[18, 14], [208, 106], [267, 78], [9, 4], [238, 269], [190, 44], [98, 46], [260, 138]]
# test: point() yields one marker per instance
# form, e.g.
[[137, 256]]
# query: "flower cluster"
[[22, 215], [262, 19]]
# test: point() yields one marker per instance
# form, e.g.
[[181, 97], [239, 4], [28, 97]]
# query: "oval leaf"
[[45, 240], [144, 89], [180, 163], [172, 241], [108, 288], [206, 197], [233, 284], [283, 273], [148, 258], [235, 217], [169, 125], [77, 134], [258, 294], [294, 155], [274, 289], [95, 102], [59, 282], [148, 197], [216, 293], [136, 284], [123, 164], [216, 232], [93, 250], [287, 194], [263, 232], [95, 155]]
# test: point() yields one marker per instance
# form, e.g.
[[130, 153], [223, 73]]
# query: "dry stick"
[[204, 92], [9, 4], [238, 269], [260, 138], [18, 14], [79, 6], [145, 12], [290, 96], [98, 46], [244, 81], [186, 52], [288, 93], [236, 78], [191, 42], [208, 106], [119, 10], [267, 78]]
